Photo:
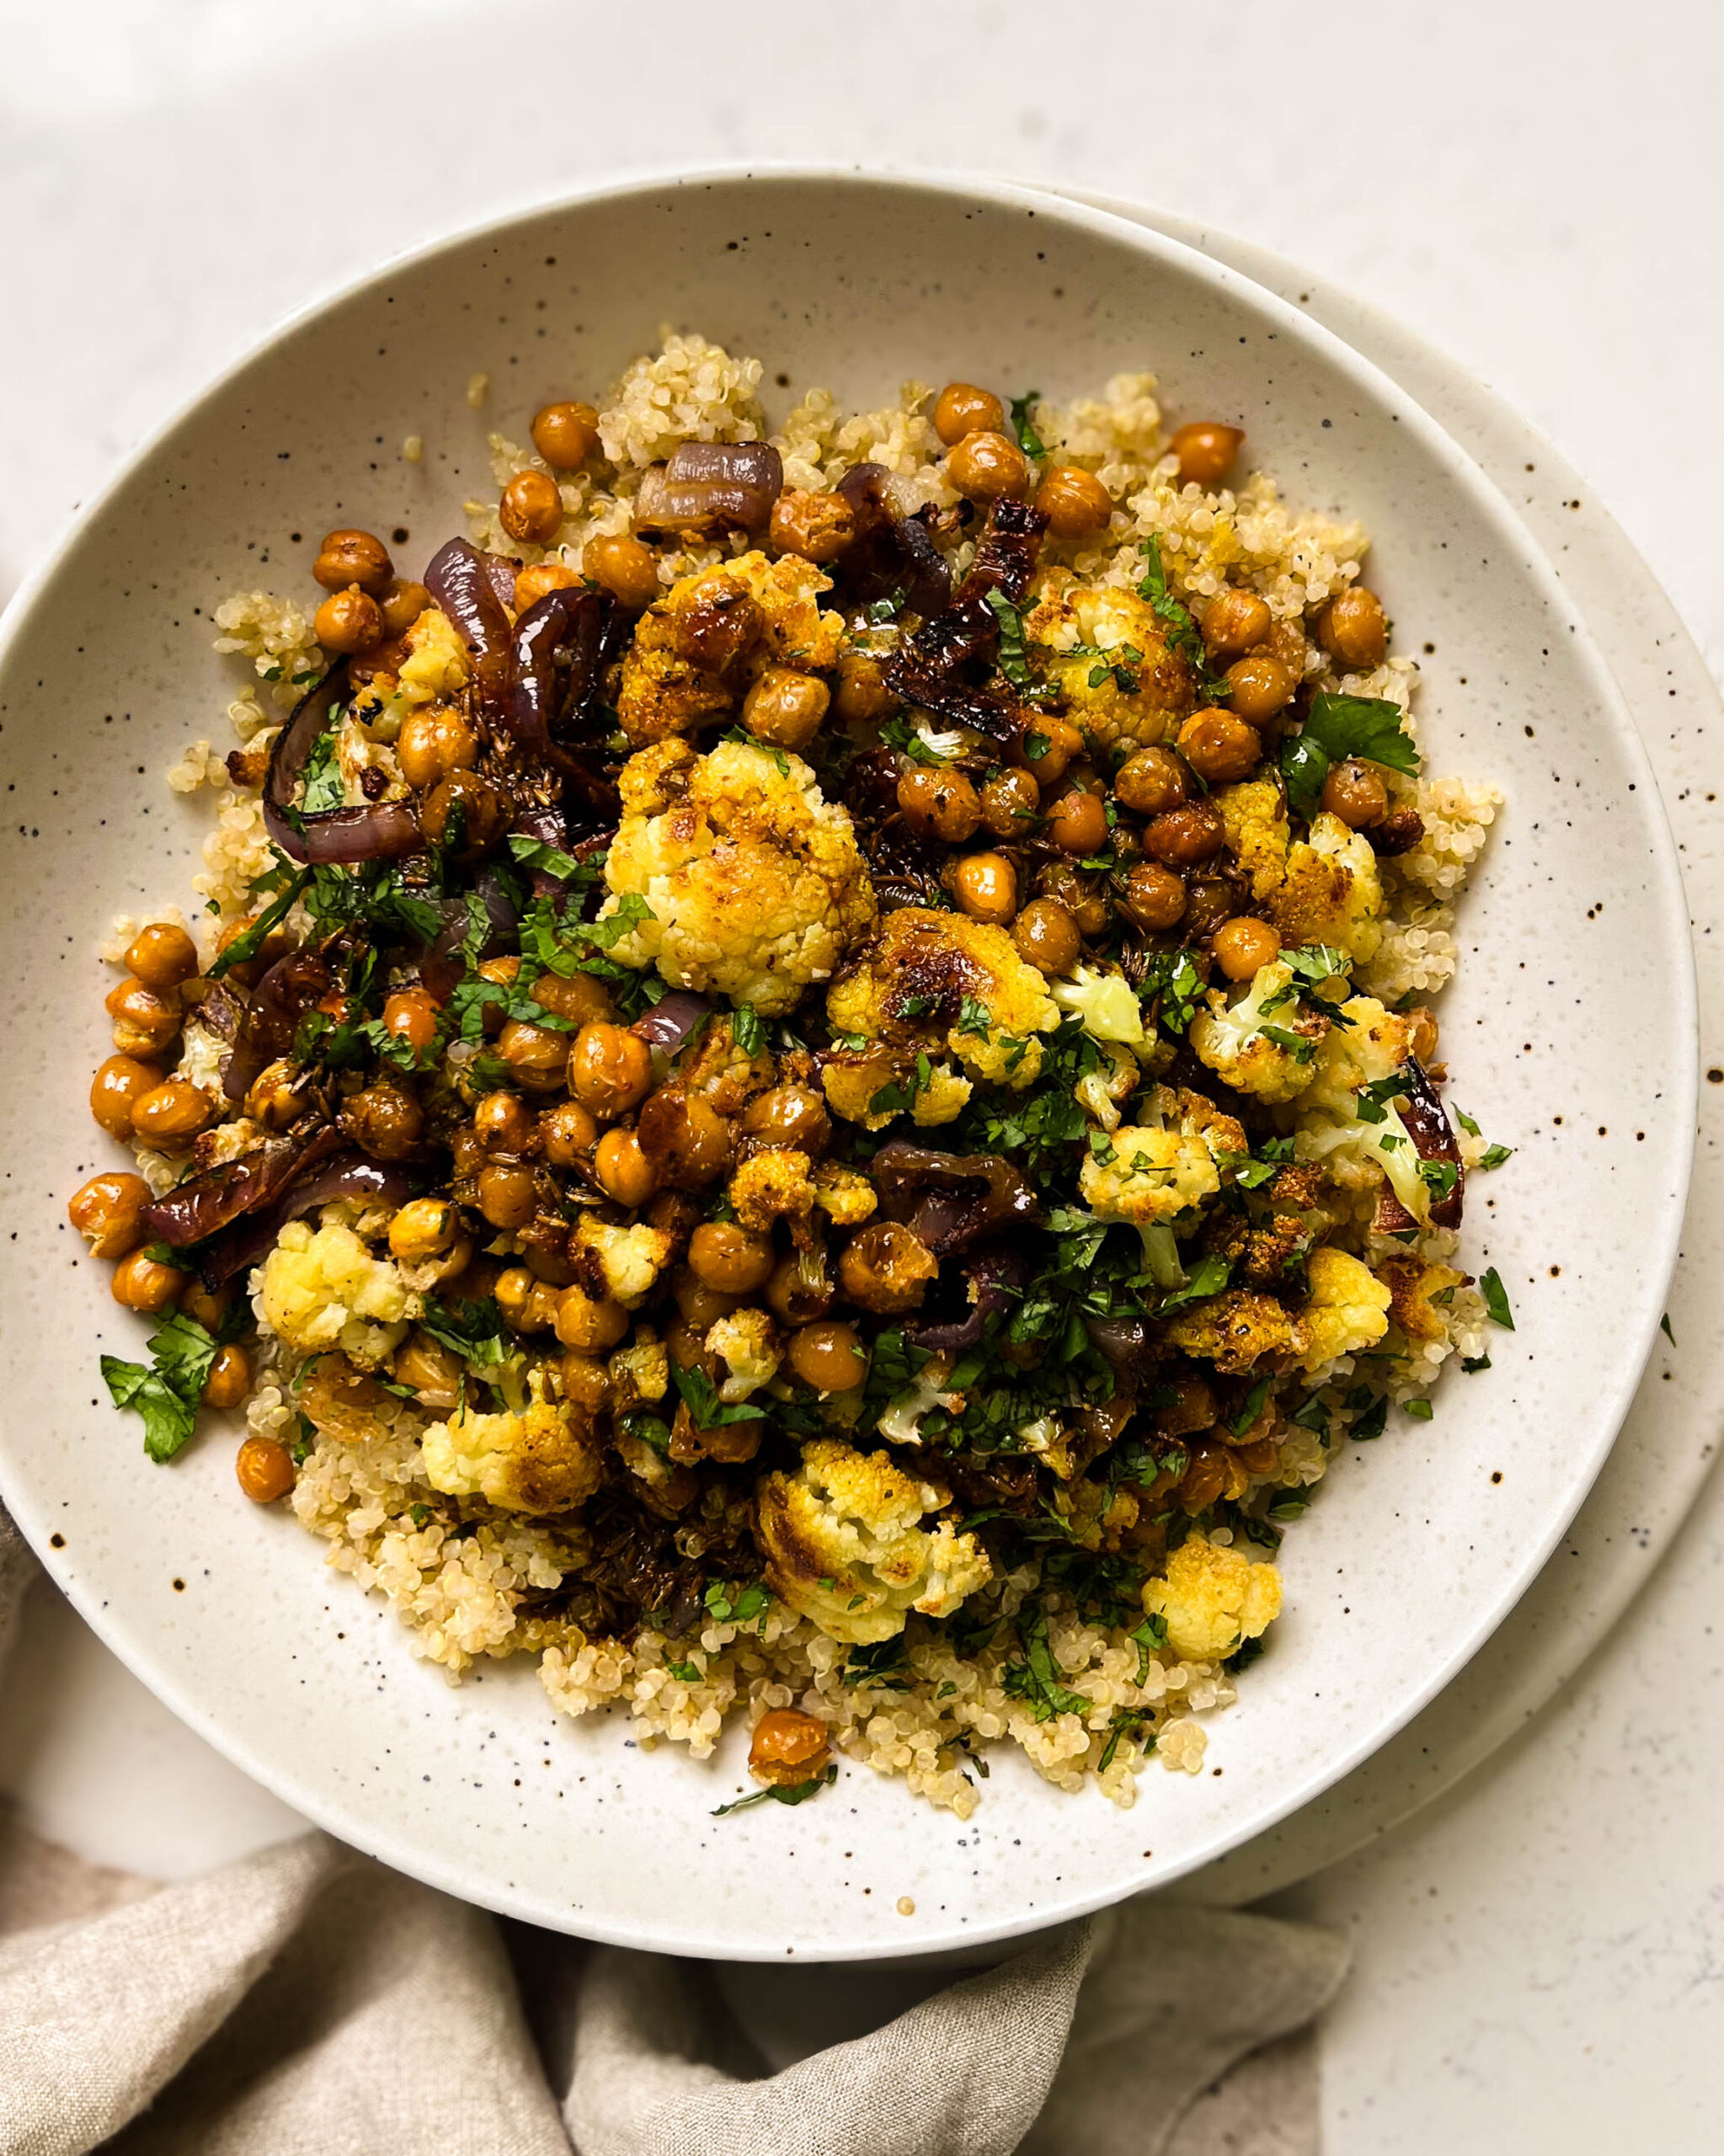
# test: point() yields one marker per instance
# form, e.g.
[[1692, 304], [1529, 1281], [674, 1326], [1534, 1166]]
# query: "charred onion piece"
[[711, 486], [559, 650], [671, 1020], [948, 1198], [197, 1207], [443, 966], [1427, 1125], [280, 1001], [937, 668], [1127, 1344], [461, 582], [890, 554], [992, 1279], [250, 1239], [373, 833]]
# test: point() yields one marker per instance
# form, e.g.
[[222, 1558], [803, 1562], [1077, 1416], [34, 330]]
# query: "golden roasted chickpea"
[[939, 804], [1206, 450], [537, 1055], [1084, 897], [623, 1171], [687, 1140], [565, 435], [465, 813], [403, 602], [1151, 782], [1356, 794], [818, 527], [105, 1212], [1077, 823], [786, 708], [588, 1325], [425, 1227], [118, 1083], [1046, 935], [886, 1266], [349, 622], [1154, 897], [1219, 748], [348, 557], [698, 1306], [172, 1114], [1045, 748], [161, 957], [798, 1292], [434, 743], [140, 1283], [264, 1470], [961, 408], [986, 888], [527, 1305], [430, 1369], [732, 1260], [788, 1747], [568, 1133], [1423, 1042], [210, 1306], [1074, 501], [1187, 835], [1243, 946], [279, 1095], [148, 1019], [1233, 622], [384, 1121], [504, 1123], [539, 581], [790, 1115], [1353, 630], [986, 466], [580, 998], [624, 568], [610, 1069], [861, 695], [505, 1193], [585, 1381], [829, 1356], [411, 1015], [230, 1377], [532, 508], [248, 972], [1258, 685], [1011, 802]]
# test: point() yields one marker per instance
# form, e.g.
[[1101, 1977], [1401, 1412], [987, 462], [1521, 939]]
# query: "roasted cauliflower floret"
[[1231, 1039], [1150, 1176], [1107, 1003], [621, 1263], [1413, 1287], [773, 1186], [854, 1082], [1102, 1092], [639, 1371], [436, 663], [1213, 1599], [846, 1547], [1136, 693], [1237, 1329], [1254, 816], [844, 1193], [747, 1341], [753, 880], [1331, 893], [1195, 1115], [1369, 1045], [794, 632], [322, 1289], [1349, 1308], [927, 982], [540, 1459]]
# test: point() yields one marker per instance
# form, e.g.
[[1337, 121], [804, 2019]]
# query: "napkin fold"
[[306, 2002]]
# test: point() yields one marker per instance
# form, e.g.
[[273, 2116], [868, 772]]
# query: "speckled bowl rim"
[[1667, 920]]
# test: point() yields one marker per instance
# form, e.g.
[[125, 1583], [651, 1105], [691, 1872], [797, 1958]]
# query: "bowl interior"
[[1569, 1034]]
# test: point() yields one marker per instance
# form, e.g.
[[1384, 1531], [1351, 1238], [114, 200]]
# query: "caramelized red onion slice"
[[1127, 1345], [460, 580], [992, 1280], [441, 968], [1426, 1123], [248, 1240], [379, 831], [671, 1020], [501, 570], [196, 1209], [711, 486], [934, 668], [890, 554], [279, 1001], [948, 1198], [556, 655]]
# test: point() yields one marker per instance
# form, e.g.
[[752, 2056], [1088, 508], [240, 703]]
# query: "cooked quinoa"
[[806, 1086]]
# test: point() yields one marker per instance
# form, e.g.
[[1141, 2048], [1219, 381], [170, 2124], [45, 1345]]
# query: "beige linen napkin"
[[306, 2002]]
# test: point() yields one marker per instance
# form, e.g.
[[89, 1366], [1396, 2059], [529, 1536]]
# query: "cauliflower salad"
[[806, 1086]]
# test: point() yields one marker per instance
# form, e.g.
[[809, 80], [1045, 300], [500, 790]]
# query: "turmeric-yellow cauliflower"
[[1349, 1308], [322, 1288], [753, 880], [541, 1459], [846, 1547], [1254, 816], [1235, 1330], [928, 982], [436, 663], [1149, 1176], [1260, 1041], [1213, 1599], [1331, 892], [1133, 708]]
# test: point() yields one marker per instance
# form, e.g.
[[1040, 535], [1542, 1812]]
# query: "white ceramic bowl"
[[1571, 1033]]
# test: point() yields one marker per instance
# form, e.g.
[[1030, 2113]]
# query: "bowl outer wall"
[[1415, 1553]]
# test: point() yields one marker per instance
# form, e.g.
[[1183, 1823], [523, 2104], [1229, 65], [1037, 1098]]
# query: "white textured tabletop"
[[1541, 1955]]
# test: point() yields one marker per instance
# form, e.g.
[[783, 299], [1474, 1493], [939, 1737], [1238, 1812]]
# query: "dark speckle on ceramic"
[[854, 284]]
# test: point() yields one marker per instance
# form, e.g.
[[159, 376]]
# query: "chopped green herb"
[[1036, 1680], [1028, 440], [1420, 1410], [1496, 1297], [1370, 1424], [1664, 1328], [738, 1602], [782, 1793], [1494, 1155], [167, 1392], [474, 1329], [685, 1673], [706, 1410], [1014, 663], [748, 1029]]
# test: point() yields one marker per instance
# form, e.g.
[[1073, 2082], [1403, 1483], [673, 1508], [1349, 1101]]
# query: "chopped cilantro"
[[1028, 440], [1208, 1277], [167, 1392], [738, 1602], [1420, 1410], [535, 853], [685, 1673], [706, 1409], [1370, 1424], [250, 941], [1496, 1297], [474, 1329], [748, 1029], [1036, 1680], [782, 1793], [1014, 664], [1494, 1155]]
